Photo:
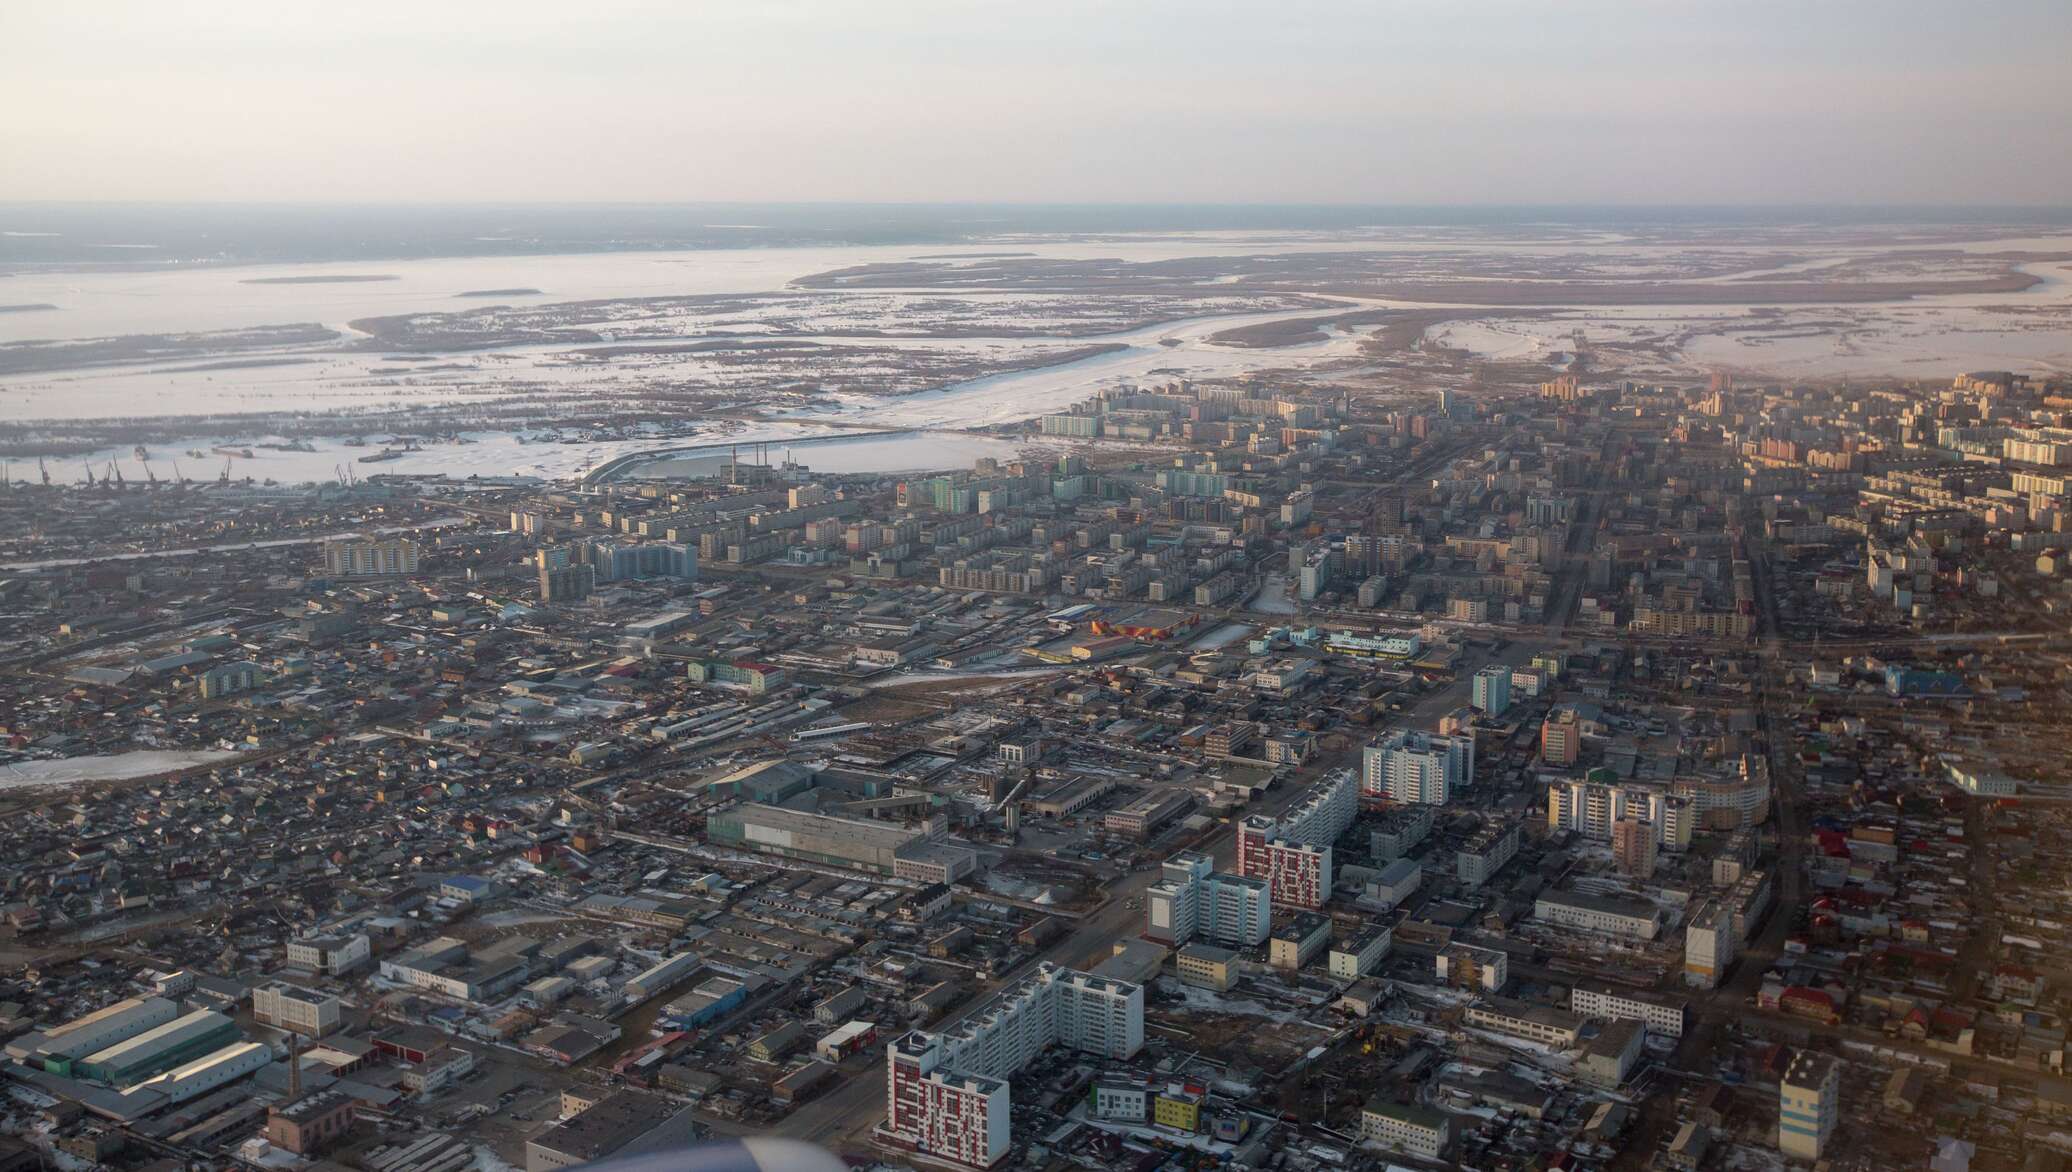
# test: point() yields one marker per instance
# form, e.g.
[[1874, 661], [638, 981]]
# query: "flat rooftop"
[[608, 1125]]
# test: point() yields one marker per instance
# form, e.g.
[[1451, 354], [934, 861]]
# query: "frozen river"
[[1923, 337]]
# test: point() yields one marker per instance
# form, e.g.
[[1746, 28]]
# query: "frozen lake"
[[112, 767]]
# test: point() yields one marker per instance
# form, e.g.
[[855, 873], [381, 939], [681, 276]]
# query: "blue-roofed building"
[[1912, 682], [709, 1002]]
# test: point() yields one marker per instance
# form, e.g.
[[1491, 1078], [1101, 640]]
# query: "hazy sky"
[[1388, 101]]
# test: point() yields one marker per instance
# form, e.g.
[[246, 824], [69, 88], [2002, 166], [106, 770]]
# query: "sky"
[[1384, 101]]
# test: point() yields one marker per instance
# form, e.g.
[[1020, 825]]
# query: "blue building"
[[1920, 683], [712, 1000]]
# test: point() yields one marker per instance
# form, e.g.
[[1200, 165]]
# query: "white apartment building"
[[1357, 957], [1664, 1018], [2049, 446], [1465, 966], [1710, 945], [1401, 829], [332, 956], [1400, 1127], [1417, 767], [1592, 808], [1729, 800], [1192, 899], [357, 557]]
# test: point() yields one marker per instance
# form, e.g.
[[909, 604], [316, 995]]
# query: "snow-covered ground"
[[111, 767], [1221, 636], [1273, 596], [1922, 337], [1202, 1000]]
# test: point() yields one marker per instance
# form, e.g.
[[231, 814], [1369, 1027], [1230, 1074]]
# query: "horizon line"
[[1328, 205]]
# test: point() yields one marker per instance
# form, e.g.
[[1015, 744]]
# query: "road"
[[1734, 999]]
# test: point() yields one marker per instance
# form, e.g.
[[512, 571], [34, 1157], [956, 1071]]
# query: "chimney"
[[294, 1066]]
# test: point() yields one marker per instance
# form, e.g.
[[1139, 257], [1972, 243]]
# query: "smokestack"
[[294, 1066]]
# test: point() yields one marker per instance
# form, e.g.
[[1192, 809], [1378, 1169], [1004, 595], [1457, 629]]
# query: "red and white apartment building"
[[946, 1093], [1292, 852]]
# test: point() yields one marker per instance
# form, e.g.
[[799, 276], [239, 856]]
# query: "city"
[[1657, 774], [948, 586]]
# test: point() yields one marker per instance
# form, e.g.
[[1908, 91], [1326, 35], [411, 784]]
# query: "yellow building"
[[1177, 1107]]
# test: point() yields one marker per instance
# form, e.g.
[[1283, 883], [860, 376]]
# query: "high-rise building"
[[568, 583], [1729, 801], [947, 1094], [1493, 689], [1561, 739], [1594, 807], [1710, 944], [1293, 851], [563, 577], [617, 561], [1808, 1102], [353, 557], [1192, 899], [1417, 767], [1634, 843]]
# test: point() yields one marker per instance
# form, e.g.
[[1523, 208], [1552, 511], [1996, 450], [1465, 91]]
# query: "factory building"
[[55, 1050], [204, 1074], [921, 853], [159, 1049]]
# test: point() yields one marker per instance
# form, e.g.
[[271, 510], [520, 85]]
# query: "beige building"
[[291, 1007], [1634, 847], [1207, 966]]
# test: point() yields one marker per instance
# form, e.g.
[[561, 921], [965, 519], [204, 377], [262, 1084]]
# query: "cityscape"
[[930, 586], [1656, 774]]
